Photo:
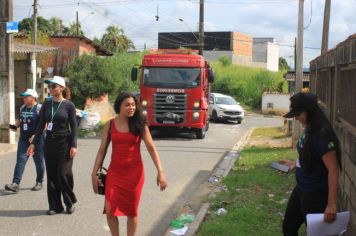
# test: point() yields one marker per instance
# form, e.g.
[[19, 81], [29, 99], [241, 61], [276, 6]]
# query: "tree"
[[115, 40], [57, 26], [72, 30], [283, 65], [90, 76], [97, 40], [43, 25]]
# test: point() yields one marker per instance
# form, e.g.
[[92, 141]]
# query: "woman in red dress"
[[125, 176]]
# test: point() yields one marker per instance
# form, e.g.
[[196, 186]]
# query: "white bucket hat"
[[56, 80], [30, 92]]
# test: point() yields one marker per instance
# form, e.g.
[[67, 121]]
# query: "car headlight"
[[196, 105], [144, 103]]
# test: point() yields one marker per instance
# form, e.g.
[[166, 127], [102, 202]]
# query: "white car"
[[223, 107]]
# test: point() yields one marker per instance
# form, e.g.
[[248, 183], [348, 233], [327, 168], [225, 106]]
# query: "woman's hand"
[[161, 180], [73, 152], [31, 138], [330, 213], [289, 163], [30, 150], [95, 183]]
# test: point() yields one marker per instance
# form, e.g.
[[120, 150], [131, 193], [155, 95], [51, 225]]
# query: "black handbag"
[[103, 171]]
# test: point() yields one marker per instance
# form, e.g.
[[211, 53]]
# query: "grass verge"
[[256, 198]]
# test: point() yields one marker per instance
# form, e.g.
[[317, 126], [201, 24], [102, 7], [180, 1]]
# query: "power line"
[[311, 15]]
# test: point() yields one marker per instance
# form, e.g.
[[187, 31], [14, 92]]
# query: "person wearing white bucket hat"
[[58, 115], [28, 121]]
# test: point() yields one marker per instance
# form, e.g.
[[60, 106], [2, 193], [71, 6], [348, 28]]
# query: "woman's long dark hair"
[[66, 92], [136, 122], [319, 125]]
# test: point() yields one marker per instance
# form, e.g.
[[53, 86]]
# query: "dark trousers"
[[59, 173], [299, 205]]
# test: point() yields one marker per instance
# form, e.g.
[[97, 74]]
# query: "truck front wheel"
[[200, 133]]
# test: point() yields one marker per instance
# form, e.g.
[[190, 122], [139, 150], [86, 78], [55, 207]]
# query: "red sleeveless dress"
[[125, 176]]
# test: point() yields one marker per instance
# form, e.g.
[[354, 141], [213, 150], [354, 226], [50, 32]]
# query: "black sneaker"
[[51, 212], [70, 210], [38, 186], [14, 187]]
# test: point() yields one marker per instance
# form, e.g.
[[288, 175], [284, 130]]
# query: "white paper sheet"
[[317, 226], [181, 231]]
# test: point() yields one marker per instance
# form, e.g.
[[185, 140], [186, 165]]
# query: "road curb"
[[222, 169]]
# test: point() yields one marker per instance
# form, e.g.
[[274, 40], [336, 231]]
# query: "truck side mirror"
[[211, 76], [134, 73]]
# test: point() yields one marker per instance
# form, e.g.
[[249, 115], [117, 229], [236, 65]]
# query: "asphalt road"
[[188, 163]]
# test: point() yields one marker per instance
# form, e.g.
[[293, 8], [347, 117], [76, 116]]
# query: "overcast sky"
[[257, 18]]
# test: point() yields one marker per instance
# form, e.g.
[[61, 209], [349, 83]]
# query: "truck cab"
[[175, 91]]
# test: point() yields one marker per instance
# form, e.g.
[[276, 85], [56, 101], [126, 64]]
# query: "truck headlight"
[[144, 113], [196, 115], [144, 103], [196, 105]]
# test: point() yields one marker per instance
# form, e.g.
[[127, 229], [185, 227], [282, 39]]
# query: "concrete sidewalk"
[[7, 148]]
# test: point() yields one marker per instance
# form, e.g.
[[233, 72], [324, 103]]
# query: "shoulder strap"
[[108, 139]]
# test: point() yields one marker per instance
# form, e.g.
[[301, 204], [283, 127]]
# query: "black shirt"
[[317, 179], [62, 115]]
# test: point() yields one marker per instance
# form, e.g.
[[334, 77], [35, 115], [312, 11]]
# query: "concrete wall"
[[274, 103], [266, 52], [215, 55], [272, 57]]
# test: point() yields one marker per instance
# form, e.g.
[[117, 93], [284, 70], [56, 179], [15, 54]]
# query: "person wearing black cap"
[[58, 115], [317, 166], [28, 121]]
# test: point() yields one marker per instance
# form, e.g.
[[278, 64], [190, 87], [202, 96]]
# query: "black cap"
[[301, 102]]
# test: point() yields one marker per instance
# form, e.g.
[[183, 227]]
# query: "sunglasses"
[[52, 86]]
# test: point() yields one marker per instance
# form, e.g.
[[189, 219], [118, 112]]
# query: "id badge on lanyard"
[[50, 124], [25, 127]]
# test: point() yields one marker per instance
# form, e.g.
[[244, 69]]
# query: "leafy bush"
[[246, 84], [92, 76], [225, 60]]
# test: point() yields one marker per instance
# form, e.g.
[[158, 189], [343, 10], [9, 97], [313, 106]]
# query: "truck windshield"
[[171, 77]]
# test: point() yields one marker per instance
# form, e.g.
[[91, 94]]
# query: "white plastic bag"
[[90, 121]]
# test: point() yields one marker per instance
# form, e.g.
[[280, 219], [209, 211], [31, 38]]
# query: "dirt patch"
[[269, 142]]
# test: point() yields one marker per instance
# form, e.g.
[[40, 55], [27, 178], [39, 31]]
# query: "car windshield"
[[225, 101], [171, 77]]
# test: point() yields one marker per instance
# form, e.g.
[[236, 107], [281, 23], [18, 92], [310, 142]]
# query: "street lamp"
[[77, 23], [181, 20]]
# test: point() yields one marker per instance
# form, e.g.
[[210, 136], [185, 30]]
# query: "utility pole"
[[77, 24], [325, 39], [299, 68], [201, 27], [295, 61], [7, 84], [34, 42]]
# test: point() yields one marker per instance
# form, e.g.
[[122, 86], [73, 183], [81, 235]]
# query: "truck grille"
[[170, 108]]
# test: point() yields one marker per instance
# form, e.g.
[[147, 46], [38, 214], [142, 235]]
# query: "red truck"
[[174, 90]]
